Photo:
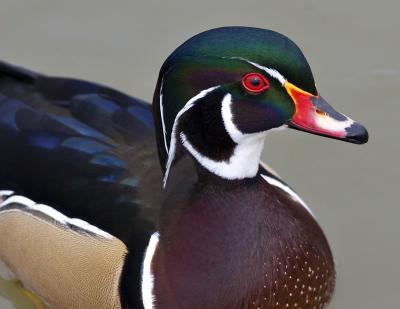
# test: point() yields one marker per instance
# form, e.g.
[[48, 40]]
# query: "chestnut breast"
[[241, 244]]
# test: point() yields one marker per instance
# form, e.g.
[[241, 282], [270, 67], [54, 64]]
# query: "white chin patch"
[[245, 160], [243, 163]]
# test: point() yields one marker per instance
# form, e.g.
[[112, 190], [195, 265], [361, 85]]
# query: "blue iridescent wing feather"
[[78, 146]]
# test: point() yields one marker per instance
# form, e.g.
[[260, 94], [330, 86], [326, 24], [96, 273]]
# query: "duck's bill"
[[314, 115]]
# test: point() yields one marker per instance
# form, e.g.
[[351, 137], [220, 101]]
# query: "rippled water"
[[353, 48]]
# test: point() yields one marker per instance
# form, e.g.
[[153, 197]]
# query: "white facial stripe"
[[276, 183], [172, 144], [147, 274], [271, 72], [162, 117], [54, 214], [227, 118]]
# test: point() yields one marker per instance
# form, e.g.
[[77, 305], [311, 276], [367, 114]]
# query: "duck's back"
[[75, 144], [82, 164]]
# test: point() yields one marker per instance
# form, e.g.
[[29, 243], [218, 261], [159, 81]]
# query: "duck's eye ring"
[[255, 83]]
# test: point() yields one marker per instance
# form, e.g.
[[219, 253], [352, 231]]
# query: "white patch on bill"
[[331, 124]]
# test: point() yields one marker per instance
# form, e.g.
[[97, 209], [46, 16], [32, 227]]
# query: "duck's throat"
[[243, 161]]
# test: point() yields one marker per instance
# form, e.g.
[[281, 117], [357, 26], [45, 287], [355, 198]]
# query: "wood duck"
[[89, 220]]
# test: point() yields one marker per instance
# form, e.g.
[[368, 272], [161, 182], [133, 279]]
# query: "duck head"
[[220, 92]]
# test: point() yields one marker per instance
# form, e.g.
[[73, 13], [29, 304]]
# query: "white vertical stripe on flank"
[[147, 274]]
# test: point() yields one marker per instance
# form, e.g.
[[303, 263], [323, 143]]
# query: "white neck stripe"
[[172, 144], [162, 116]]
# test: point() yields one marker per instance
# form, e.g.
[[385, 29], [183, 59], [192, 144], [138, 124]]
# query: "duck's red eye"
[[255, 83]]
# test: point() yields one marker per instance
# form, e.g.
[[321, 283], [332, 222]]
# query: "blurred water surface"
[[353, 48]]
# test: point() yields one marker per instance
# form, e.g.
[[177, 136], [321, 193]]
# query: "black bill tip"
[[357, 134]]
